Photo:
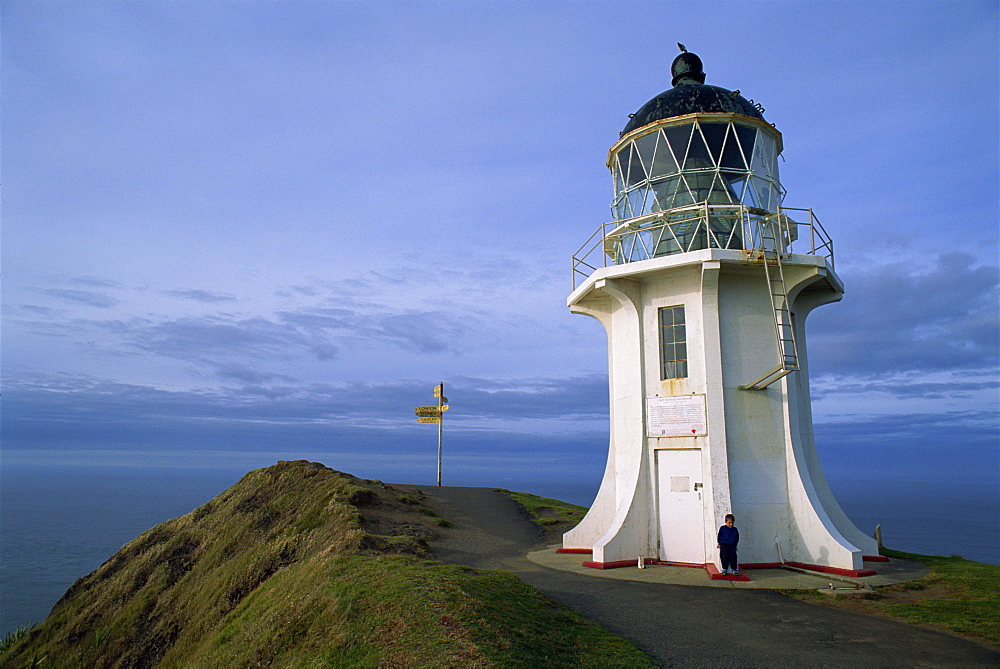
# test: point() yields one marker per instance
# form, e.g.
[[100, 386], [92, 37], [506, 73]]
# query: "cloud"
[[201, 296], [86, 297], [246, 375], [66, 398], [423, 331], [94, 282], [319, 319], [569, 398], [910, 385], [489, 419], [899, 318], [236, 348], [369, 328], [367, 429], [38, 310]]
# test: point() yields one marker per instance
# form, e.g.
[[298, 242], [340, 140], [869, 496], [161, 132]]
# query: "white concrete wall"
[[804, 301], [758, 456], [753, 419], [620, 520]]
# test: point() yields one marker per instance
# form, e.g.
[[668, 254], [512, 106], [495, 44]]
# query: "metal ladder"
[[788, 351]]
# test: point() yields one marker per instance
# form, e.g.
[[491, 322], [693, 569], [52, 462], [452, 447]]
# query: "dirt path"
[[683, 626]]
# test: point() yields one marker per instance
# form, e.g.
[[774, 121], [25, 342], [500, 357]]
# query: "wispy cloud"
[[291, 403], [199, 295], [86, 297]]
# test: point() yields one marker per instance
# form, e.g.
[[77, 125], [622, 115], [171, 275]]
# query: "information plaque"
[[677, 416]]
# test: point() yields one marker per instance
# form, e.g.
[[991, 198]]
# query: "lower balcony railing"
[[701, 226]]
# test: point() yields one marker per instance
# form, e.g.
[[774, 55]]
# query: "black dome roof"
[[690, 95]]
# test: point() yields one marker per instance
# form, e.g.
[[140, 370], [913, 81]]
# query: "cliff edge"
[[298, 564]]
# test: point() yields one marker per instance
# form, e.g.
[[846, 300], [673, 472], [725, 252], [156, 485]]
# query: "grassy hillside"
[[958, 596], [298, 565], [554, 515], [962, 596]]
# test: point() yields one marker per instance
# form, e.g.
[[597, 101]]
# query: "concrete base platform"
[[894, 571]]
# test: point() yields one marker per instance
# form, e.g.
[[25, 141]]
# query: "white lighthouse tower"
[[703, 281]]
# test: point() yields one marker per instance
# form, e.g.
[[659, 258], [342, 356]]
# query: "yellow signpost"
[[434, 414]]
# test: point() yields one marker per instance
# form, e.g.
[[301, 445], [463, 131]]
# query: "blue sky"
[[271, 227]]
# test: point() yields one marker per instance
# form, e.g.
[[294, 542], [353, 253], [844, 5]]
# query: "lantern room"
[[694, 144]]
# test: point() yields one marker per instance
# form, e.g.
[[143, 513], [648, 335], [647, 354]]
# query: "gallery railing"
[[701, 226]]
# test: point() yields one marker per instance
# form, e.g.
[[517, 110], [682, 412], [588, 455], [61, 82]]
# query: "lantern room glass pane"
[[703, 186], [645, 146], [678, 137], [671, 191], [763, 157], [734, 182], [647, 200], [748, 139], [750, 198], [762, 190], [663, 160], [622, 160], [732, 156], [715, 137], [635, 202], [698, 156], [721, 192], [618, 209], [636, 172]]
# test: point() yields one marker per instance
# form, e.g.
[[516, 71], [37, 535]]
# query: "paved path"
[[687, 626]]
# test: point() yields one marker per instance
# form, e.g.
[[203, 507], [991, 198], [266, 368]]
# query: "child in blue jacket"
[[729, 537]]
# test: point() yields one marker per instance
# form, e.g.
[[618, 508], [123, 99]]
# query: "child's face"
[[729, 522]]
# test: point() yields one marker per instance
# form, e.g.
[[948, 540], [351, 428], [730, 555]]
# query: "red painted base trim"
[[611, 565], [874, 558], [760, 565], [697, 565], [833, 570], [716, 575], [576, 551]]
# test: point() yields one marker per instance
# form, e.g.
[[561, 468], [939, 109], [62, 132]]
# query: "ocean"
[[59, 522]]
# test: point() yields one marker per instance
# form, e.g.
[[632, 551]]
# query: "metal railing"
[[700, 226]]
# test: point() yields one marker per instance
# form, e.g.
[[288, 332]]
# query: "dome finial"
[[686, 68], [682, 47]]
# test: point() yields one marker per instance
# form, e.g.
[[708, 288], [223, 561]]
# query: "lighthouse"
[[703, 281]]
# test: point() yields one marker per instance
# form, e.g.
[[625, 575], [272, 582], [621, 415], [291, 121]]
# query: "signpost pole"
[[440, 428]]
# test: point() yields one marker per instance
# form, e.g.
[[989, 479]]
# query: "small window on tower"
[[673, 343]]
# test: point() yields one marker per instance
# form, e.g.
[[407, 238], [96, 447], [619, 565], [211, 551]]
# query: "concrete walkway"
[[894, 571], [677, 615]]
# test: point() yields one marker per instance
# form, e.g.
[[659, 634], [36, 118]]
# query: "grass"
[[973, 610], [279, 570], [958, 596], [13, 637], [423, 613], [549, 513]]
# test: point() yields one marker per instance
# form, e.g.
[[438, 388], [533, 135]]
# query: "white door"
[[682, 537]]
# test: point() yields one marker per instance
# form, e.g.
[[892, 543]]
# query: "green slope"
[[298, 565]]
